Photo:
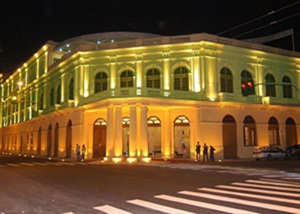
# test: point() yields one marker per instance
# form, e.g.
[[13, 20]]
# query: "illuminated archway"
[[69, 139], [49, 140], [154, 136], [39, 141], [56, 140], [99, 142], [181, 135], [290, 132], [229, 137], [125, 134]]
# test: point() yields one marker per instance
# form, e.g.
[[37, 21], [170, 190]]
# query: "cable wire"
[[261, 17]]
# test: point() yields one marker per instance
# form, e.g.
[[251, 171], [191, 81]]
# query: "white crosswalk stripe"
[[266, 187], [274, 183], [158, 207], [111, 210], [258, 191]]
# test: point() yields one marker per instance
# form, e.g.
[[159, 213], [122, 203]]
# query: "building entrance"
[[99, 144]]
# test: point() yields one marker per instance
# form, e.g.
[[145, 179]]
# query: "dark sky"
[[25, 25]]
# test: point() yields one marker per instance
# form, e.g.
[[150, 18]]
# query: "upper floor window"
[[126, 79], [226, 80], [71, 89], [287, 87], [41, 101], [153, 78], [247, 83], [100, 82], [270, 85], [181, 79], [58, 94], [51, 96]]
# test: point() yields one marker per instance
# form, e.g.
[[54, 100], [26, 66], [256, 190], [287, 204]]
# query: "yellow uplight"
[[131, 160], [146, 159], [117, 159]]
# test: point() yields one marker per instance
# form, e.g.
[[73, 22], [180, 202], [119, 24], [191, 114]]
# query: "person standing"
[[83, 149], [78, 152], [205, 152], [212, 154], [198, 149], [183, 150]]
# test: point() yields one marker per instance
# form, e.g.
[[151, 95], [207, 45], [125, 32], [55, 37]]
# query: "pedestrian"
[[205, 152], [183, 150], [78, 152], [83, 149], [198, 149], [212, 154]]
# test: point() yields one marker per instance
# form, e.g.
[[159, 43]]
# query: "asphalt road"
[[37, 185]]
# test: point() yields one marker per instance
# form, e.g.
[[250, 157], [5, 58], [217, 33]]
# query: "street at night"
[[38, 185]]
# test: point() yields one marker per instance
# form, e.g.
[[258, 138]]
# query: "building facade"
[[136, 96]]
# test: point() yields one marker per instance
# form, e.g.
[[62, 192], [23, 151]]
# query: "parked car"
[[293, 151], [270, 153]]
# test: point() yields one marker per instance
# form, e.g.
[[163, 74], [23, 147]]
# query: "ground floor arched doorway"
[[69, 139], [39, 141], [229, 137], [99, 142], [290, 132], [181, 135], [154, 136], [56, 140], [125, 135], [49, 140]]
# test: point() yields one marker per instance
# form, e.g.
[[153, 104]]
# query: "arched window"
[[247, 83], [41, 101], [126, 79], [287, 87], [270, 85], [249, 131], [153, 78], [273, 132], [181, 79], [58, 94], [153, 121], [71, 89], [52, 96], [100, 82], [226, 80]]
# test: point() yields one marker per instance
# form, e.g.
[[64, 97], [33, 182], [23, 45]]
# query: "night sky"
[[25, 25]]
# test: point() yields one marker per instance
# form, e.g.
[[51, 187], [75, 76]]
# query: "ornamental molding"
[[210, 52], [166, 54], [139, 56]]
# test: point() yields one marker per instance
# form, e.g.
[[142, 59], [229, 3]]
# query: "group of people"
[[80, 153], [198, 151], [205, 152]]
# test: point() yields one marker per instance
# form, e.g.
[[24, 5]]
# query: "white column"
[[167, 74], [143, 132], [118, 147], [167, 141], [132, 132], [110, 133]]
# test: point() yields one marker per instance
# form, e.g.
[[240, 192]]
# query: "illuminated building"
[[138, 95]]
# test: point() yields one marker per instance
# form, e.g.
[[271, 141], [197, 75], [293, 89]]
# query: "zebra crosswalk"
[[248, 197], [267, 173], [32, 164]]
